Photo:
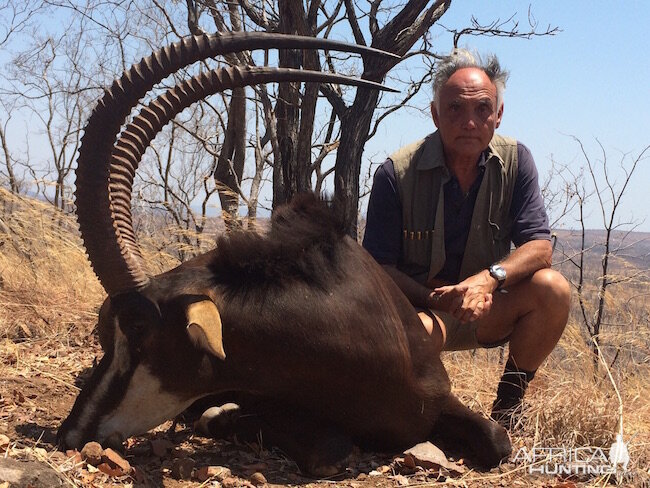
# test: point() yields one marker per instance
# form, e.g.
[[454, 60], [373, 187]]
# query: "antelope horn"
[[106, 169]]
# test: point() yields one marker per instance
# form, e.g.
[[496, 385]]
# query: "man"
[[441, 218]]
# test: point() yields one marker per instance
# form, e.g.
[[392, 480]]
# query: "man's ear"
[[434, 113], [204, 326], [499, 115]]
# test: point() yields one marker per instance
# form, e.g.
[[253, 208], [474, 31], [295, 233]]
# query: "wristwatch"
[[498, 272]]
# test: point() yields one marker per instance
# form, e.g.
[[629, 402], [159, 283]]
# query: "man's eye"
[[484, 110]]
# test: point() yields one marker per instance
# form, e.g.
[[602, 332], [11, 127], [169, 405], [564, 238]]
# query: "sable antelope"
[[301, 319]]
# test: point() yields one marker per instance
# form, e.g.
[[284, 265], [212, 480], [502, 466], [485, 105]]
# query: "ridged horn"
[[106, 169]]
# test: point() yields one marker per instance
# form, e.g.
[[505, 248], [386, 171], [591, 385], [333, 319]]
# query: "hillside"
[[48, 308], [632, 248]]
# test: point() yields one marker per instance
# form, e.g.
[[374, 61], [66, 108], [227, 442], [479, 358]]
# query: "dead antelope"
[[300, 325]]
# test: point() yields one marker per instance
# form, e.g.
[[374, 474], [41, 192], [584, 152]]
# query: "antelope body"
[[301, 324]]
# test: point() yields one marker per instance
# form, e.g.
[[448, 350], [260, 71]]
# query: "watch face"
[[498, 272]]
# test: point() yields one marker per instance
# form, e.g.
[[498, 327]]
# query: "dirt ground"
[[40, 379], [49, 299]]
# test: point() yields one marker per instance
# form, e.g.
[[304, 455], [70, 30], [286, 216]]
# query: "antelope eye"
[[134, 326]]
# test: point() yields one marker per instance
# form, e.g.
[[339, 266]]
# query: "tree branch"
[[497, 28], [354, 23], [335, 99]]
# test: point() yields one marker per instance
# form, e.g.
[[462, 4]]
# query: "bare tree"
[[597, 180], [399, 35], [59, 71], [14, 185], [48, 81], [15, 17], [177, 180]]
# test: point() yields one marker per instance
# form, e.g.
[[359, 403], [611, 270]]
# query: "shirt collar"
[[433, 156]]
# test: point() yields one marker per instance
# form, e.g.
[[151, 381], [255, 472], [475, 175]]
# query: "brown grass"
[[49, 298]]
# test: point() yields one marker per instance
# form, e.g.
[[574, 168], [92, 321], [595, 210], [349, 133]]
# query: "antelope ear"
[[204, 327]]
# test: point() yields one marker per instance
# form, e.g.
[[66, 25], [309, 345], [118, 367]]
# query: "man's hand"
[[467, 301]]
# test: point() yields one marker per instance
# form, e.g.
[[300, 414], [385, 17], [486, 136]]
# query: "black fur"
[[302, 245]]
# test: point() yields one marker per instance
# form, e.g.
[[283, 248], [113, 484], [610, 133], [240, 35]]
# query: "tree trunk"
[[355, 126], [13, 184], [295, 114], [397, 36], [230, 166]]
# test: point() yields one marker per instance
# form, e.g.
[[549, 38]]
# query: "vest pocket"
[[417, 249], [501, 238]]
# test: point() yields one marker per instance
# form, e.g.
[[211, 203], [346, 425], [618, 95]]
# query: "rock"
[[409, 462], [23, 474], [400, 479], [257, 479], [115, 460], [4, 441], [182, 468], [110, 470], [219, 473], [92, 453], [232, 482], [40, 453], [73, 453], [429, 456], [159, 447]]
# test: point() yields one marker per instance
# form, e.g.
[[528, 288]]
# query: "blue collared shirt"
[[383, 235]]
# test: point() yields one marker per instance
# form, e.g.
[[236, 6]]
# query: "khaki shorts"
[[462, 336]]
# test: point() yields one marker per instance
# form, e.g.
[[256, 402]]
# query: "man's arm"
[[531, 235], [424, 297], [383, 235], [525, 261], [471, 299], [418, 294]]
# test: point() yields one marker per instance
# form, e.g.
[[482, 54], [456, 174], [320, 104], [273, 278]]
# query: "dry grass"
[[568, 405], [49, 298], [46, 285]]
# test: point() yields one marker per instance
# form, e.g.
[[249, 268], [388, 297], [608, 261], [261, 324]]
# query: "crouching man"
[[442, 215]]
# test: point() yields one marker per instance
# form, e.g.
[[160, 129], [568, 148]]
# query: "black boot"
[[510, 393]]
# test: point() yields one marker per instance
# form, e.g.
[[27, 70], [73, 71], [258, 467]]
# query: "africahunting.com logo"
[[578, 461]]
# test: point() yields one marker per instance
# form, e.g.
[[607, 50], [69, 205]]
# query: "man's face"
[[466, 113]]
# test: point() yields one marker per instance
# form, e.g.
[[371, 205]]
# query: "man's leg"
[[532, 316], [434, 327]]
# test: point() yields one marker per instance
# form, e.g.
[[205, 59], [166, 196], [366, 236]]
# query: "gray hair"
[[463, 58]]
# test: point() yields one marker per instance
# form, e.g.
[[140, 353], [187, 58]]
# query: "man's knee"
[[552, 290], [433, 325], [427, 321]]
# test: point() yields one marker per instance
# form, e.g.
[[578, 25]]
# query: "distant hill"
[[632, 248]]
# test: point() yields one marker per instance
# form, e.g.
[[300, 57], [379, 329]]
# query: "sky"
[[591, 81]]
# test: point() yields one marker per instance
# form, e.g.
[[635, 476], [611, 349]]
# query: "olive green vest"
[[421, 172]]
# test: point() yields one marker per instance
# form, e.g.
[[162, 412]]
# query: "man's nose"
[[469, 123]]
